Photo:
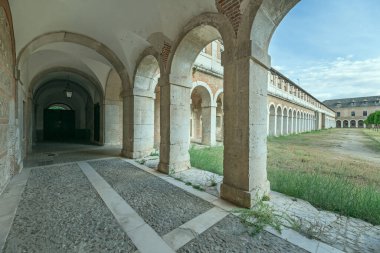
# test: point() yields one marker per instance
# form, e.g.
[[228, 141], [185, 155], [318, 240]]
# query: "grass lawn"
[[303, 166], [375, 137]]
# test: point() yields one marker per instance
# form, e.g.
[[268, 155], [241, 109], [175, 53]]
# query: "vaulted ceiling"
[[124, 26]]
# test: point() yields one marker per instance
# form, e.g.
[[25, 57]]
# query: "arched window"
[[61, 107]]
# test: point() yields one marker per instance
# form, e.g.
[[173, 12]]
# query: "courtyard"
[[84, 198]]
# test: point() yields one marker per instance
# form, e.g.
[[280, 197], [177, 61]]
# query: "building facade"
[[352, 112], [291, 109]]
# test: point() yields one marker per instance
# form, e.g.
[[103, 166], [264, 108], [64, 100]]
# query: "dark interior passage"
[[59, 125]]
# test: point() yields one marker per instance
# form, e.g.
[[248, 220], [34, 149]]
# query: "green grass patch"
[[304, 166], [210, 159]]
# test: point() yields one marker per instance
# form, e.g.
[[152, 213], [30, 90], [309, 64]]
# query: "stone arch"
[[217, 94], [361, 124], [113, 109], [35, 80], [203, 114], [279, 120], [299, 119], [345, 124], [272, 120], [206, 93], [268, 14], [219, 102], [177, 83], [69, 37], [290, 122], [353, 123], [294, 121], [198, 33], [145, 99], [147, 72], [285, 121], [89, 84]]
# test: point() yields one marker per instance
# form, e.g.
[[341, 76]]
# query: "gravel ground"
[[60, 212], [230, 236], [163, 206]]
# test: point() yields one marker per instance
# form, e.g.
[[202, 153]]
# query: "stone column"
[[157, 135], [138, 123], [175, 127], [113, 122], [279, 122], [245, 90], [209, 125]]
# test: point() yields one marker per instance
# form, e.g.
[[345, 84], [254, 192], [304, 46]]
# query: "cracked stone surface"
[[344, 233], [163, 206], [229, 235], [60, 212]]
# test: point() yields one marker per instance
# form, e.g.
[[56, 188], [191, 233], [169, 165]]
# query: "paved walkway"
[[111, 204]]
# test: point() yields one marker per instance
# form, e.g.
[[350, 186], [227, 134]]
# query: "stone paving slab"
[[59, 211], [163, 206], [230, 236], [129, 220]]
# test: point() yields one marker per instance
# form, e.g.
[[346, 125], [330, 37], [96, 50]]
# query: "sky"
[[331, 48]]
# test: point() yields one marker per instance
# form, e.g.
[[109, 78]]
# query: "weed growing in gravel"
[[258, 217], [312, 230], [198, 187], [155, 153]]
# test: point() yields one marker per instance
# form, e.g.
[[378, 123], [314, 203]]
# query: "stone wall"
[[8, 131]]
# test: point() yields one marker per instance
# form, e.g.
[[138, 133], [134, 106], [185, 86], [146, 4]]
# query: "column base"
[[246, 199], [174, 167]]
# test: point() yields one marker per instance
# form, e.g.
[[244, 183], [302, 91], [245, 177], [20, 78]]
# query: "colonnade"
[[350, 124], [285, 121]]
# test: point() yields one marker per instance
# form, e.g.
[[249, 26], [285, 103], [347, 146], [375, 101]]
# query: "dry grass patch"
[[305, 166]]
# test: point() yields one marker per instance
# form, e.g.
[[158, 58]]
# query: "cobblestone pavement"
[[113, 206], [61, 212]]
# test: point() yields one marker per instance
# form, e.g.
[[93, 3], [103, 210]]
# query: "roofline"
[[299, 87]]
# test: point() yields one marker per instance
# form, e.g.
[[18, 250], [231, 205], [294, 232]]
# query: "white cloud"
[[341, 78]]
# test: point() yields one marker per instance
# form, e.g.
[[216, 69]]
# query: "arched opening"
[[219, 117], [295, 119], [279, 121], [183, 73], [345, 124], [113, 110], [208, 72], [66, 109], [290, 122], [146, 107], [92, 65], [203, 115], [360, 124], [285, 122], [272, 120], [338, 124], [299, 122], [59, 107], [353, 124]]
